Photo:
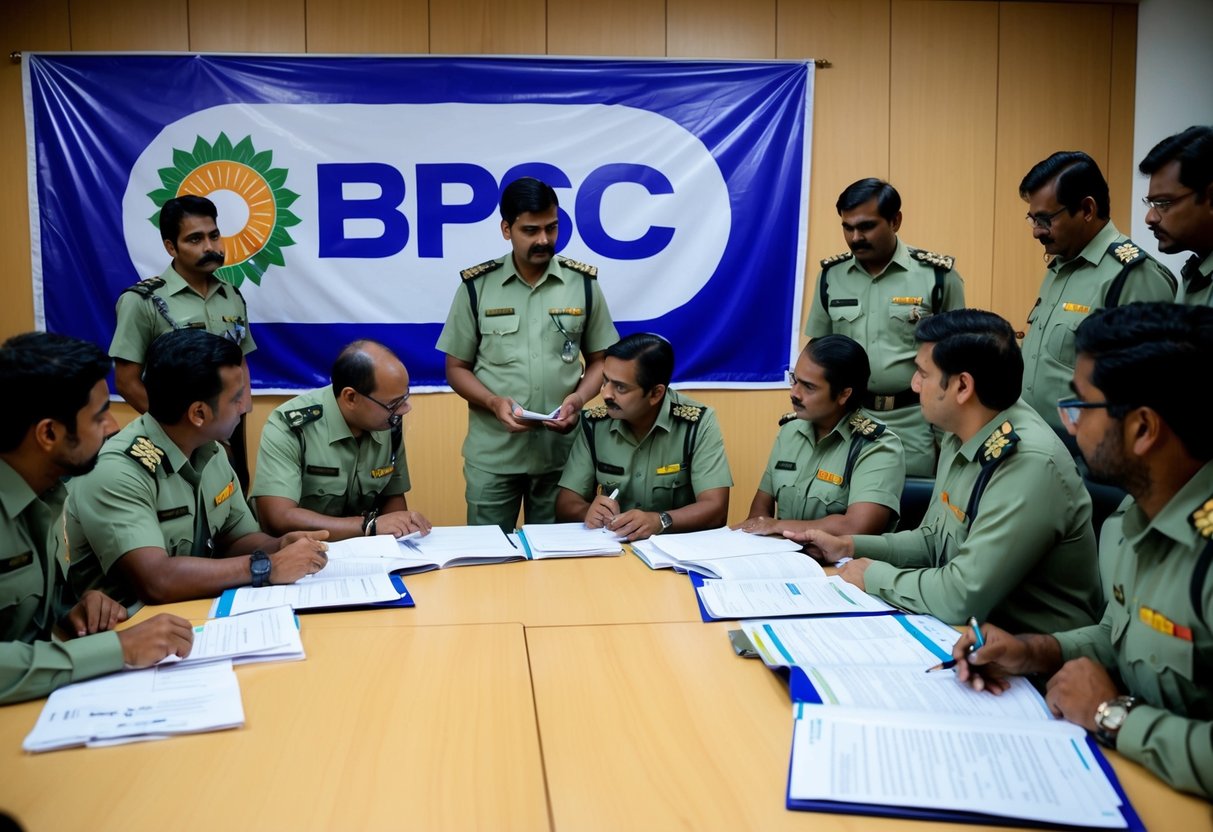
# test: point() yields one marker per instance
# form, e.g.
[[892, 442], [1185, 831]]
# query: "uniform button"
[[1153, 659], [534, 355], [637, 475]]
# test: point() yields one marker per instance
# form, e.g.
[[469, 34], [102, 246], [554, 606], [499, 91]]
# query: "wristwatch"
[[666, 521], [259, 565], [1110, 716]]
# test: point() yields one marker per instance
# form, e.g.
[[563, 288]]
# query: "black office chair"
[[1104, 500], [915, 499]]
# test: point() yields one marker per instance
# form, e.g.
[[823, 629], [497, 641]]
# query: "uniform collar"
[[15, 493], [340, 430], [842, 430], [900, 262], [175, 283], [970, 449], [174, 459], [1174, 521], [665, 419], [510, 272], [1093, 251]]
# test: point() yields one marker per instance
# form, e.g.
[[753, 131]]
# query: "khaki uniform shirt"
[[308, 455], [881, 313], [807, 476], [651, 474], [145, 493], [222, 312], [1071, 290], [1027, 563], [30, 664], [1152, 637], [515, 347], [1198, 281]]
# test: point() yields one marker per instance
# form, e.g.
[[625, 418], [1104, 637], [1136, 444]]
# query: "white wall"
[[1174, 90]]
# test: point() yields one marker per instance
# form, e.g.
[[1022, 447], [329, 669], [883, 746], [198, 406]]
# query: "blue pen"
[[978, 643]]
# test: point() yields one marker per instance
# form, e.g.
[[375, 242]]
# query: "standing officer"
[[1093, 266], [164, 490], [660, 451], [1008, 532], [334, 458], [876, 294], [1139, 679], [52, 428], [1181, 206], [186, 295], [833, 467], [515, 339]]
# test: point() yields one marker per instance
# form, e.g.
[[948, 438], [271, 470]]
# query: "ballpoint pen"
[[978, 643]]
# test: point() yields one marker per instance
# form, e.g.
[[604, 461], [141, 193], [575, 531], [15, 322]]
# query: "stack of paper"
[[807, 596], [140, 705], [568, 540], [728, 553], [313, 593], [457, 546], [266, 635]]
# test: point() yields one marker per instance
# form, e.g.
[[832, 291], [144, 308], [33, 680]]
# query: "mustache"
[[210, 257], [861, 247], [539, 249], [610, 404]]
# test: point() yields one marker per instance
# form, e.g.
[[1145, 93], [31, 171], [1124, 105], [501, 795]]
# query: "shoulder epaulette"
[[865, 426], [1126, 252], [482, 268], [578, 266], [686, 412], [1000, 443], [146, 288], [304, 415], [596, 413], [933, 259], [145, 452], [787, 417], [1202, 520], [836, 259]]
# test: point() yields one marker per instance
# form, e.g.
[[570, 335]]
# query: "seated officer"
[[658, 462], [1140, 678], [52, 427], [334, 458], [832, 467], [163, 489], [1008, 533]]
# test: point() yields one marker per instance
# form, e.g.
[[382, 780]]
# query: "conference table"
[[575, 694]]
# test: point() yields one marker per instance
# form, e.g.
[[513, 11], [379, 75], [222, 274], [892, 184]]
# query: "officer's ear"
[[845, 396], [347, 396], [198, 413], [1143, 430], [896, 222], [170, 247], [656, 393], [46, 432], [505, 230], [966, 389], [1088, 208]]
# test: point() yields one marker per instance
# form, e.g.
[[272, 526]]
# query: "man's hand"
[[570, 412], [93, 613], [301, 553], [1077, 690], [292, 537], [760, 525], [601, 512], [503, 409], [150, 641], [400, 523], [636, 524], [852, 572], [824, 547], [1003, 656]]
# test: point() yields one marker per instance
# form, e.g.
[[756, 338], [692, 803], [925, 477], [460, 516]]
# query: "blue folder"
[[224, 607]]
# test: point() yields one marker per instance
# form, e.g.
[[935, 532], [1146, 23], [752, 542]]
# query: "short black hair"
[[888, 201], [46, 376], [354, 368], [653, 354], [182, 367], [172, 212], [1151, 355], [844, 363], [526, 196], [1078, 177], [1194, 150], [981, 344]]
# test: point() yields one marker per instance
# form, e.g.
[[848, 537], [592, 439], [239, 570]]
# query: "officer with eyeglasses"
[[1180, 200], [334, 459], [1091, 265]]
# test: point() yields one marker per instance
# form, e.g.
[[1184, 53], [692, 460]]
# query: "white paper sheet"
[[270, 634], [879, 640], [566, 540], [807, 596], [720, 543], [367, 589]]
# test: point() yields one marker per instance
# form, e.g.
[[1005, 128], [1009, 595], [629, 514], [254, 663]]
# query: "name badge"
[[378, 473], [607, 468], [172, 513], [497, 312], [567, 310], [1075, 307], [322, 471], [845, 302], [826, 476], [908, 301], [16, 562], [670, 469], [785, 465], [227, 492]]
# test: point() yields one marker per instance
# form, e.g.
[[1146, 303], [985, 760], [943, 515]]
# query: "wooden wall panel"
[[488, 27], [1122, 167], [128, 25], [1053, 93], [243, 26], [29, 25], [941, 160], [850, 109], [720, 28], [625, 28], [377, 26]]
